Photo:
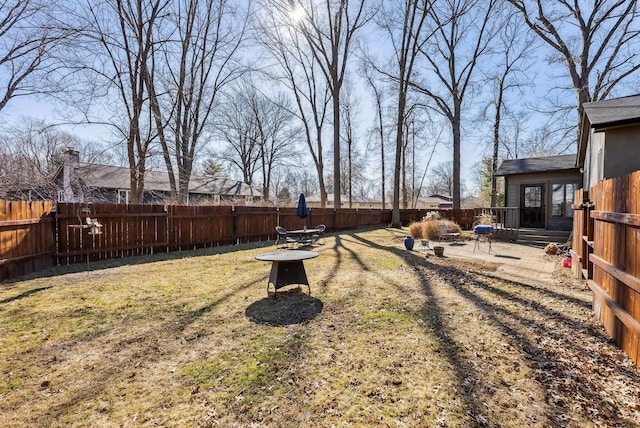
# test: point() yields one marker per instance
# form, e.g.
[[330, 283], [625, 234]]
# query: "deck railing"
[[502, 218]]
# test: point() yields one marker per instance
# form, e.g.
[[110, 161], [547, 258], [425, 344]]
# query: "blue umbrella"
[[303, 212]]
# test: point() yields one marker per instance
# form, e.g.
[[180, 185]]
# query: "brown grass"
[[386, 338], [430, 228], [485, 219], [415, 229]]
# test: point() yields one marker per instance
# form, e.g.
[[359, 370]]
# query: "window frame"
[[565, 205]]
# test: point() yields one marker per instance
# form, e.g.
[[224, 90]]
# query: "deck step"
[[541, 238]]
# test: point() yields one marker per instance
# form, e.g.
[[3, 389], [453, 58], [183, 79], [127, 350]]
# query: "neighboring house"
[[313, 201], [78, 182], [609, 144], [542, 189], [436, 202]]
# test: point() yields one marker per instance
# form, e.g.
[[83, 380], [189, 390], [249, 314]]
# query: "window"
[[123, 196], [533, 196], [562, 200]]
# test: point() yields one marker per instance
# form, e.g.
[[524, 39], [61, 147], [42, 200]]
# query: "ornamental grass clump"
[[415, 230], [430, 229], [486, 218]]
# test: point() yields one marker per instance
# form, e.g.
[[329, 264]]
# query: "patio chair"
[[446, 233], [320, 234], [283, 238]]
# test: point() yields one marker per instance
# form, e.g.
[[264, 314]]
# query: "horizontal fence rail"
[[26, 238], [33, 236], [606, 253]]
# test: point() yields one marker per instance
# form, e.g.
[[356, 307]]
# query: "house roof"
[[443, 197], [114, 177], [612, 112], [607, 113], [344, 199], [436, 199], [536, 165]]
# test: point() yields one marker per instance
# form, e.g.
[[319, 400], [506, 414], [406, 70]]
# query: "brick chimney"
[[71, 162]]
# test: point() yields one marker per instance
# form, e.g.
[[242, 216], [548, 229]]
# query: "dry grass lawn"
[[387, 338]]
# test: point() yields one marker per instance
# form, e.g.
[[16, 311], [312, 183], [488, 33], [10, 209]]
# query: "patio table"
[[287, 268], [303, 236]]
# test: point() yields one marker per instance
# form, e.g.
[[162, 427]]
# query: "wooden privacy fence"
[[130, 230], [26, 237], [606, 252], [32, 237], [464, 218]]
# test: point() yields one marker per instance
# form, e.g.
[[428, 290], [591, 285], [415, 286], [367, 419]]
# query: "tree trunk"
[[395, 215], [496, 143], [336, 145], [456, 154]]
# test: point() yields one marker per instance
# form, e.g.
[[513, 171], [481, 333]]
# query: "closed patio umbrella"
[[303, 212]]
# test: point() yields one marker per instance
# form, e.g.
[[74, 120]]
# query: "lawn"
[[386, 338]]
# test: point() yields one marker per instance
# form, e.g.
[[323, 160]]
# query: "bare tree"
[[508, 72], [329, 27], [259, 133], [405, 23], [200, 61], [463, 34], [297, 69], [237, 128], [350, 107], [442, 179], [277, 135], [31, 154], [379, 128], [31, 40], [591, 39], [120, 36]]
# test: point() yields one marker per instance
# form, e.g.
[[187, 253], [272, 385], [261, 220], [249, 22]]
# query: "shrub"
[[452, 226], [415, 230], [430, 229], [431, 215]]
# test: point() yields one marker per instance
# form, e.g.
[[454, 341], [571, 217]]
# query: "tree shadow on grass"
[[291, 307], [520, 318], [556, 355], [98, 265], [25, 294], [434, 315]]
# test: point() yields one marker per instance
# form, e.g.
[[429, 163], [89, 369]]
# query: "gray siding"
[[514, 183], [611, 153], [621, 147]]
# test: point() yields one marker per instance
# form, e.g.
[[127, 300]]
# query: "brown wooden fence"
[[32, 237], [606, 252], [464, 218], [26, 238]]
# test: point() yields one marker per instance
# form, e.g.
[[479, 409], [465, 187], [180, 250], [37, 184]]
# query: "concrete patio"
[[516, 262]]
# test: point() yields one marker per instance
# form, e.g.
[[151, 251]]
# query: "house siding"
[[611, 153], [514, 183], [619, 144]]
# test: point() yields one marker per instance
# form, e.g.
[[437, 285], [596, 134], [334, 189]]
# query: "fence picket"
[[613, 268]]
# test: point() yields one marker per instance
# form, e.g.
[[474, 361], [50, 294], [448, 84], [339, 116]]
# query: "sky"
[[474, 143]]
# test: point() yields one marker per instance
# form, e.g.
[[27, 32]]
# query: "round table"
[[287, 268]]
